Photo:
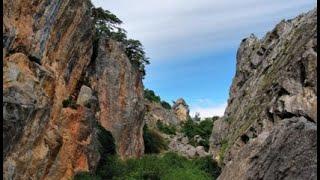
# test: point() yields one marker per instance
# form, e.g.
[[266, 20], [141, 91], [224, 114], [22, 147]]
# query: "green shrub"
[[165, 105], [204, 128], [151, 96], [167, 129], [86, 176], [70, 102], [208, 165], [106, 141], [107, 26], [155, 167], [224, 146], [153, 142]]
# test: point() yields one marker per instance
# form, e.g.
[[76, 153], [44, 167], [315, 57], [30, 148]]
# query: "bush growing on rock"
[[107, 26], [70, 102], [151, 96], [153, 142], [165, 105], [204, 128], [167, 129]]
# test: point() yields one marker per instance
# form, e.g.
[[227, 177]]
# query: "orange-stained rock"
[[47, 45], [119, 87], [47, 50]]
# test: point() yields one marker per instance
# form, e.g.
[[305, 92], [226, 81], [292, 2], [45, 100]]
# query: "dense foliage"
[[153, 142], [151, 96], [167, 167], [167, 129], [203, 128], [107, 26], [165, 105]]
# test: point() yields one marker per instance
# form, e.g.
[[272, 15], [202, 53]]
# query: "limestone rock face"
[[155, 112], [269, 127], [181, 109], [118, 84], [47, 51], [47, 45]]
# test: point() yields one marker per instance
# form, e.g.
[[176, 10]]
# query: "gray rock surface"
[[269, 126], [118, 85], [180, 144], [155, 112], [84, 96]]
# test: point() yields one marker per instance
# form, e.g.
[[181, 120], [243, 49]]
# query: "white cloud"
[[174, 27], [214, 110]]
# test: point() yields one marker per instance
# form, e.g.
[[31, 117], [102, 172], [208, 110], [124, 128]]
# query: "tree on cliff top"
[[107, 25]]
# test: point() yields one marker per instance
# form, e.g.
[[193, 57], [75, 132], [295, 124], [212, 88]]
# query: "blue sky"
[[192, 44]]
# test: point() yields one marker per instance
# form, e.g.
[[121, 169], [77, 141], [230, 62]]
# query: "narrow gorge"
[[72, 81]]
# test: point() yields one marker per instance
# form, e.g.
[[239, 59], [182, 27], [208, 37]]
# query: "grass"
[[169, 166]]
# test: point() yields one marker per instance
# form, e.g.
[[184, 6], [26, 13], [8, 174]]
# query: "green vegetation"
[[151, 96], [167, 129], [70, 102], [203, 128], [165, 104], [224, 146], [107, 26], [167, 166], [153, 142], [106, 141]]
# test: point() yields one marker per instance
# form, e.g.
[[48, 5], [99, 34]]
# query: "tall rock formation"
[[118, 84], [269, 127], [47, 51], [181, 109]]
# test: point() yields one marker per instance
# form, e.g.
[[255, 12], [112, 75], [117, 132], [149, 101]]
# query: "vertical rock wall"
[[47, 49], [118, 84], [269, 127]]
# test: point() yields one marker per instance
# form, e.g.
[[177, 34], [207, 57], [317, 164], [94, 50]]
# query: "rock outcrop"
[[118, 84], [269, 127], [181, 109], [155, 112], [50, 108], [180, 144]]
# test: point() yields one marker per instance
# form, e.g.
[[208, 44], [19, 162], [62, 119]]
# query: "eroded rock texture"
[[181, 109], [118, 84], [269, 127], [47, 50], [155, 112]]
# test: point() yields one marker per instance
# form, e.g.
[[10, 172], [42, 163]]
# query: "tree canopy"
[[107, 25]]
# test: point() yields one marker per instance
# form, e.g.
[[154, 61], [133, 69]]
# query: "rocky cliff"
[[269, 128], [155, 112], [55, 91], [181, 109]]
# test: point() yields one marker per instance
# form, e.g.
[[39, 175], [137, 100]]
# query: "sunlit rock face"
[[269, 128], [155, 112], [51, 109], [47, 46], [118, 84], [181, 109]]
